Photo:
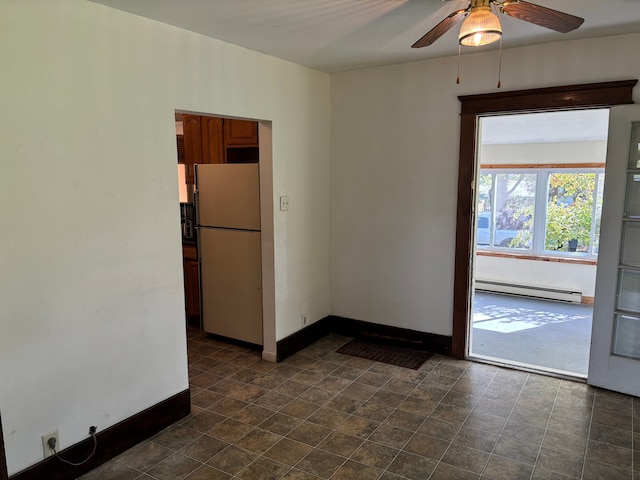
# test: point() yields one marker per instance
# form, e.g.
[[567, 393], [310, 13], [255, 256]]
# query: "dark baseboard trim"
[[363, 330], [4, 474], [302, 338], [111, 441], [391, 335]]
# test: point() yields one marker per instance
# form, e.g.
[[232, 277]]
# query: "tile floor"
[[322, 415]]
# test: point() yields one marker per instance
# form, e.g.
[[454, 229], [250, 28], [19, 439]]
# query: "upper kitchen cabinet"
[[203, 141], [240, 133], [241, 141], [212, 145]]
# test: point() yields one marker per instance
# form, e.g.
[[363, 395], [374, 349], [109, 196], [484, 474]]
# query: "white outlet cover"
[[45, 443], [284, 203]]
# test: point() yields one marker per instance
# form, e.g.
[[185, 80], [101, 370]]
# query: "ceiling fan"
[[482, 26]]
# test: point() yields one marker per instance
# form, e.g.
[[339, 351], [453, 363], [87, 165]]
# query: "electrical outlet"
[[45, 443], [284, 203], [303, 318]]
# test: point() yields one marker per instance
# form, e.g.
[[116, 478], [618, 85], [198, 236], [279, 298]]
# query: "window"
[[540, 211]]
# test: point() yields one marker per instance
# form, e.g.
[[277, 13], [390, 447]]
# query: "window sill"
[[539, 258]]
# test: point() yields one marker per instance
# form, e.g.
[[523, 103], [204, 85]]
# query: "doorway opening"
[[538, 201]]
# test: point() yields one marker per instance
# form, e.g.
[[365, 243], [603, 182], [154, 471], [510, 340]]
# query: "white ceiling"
[[341, 35]]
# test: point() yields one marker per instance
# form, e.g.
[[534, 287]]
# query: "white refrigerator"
[[229, 250]]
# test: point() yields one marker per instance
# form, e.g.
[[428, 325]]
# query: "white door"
[[614, 363]]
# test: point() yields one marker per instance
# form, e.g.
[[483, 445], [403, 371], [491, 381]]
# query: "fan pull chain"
[[458, 79], [500, 65]]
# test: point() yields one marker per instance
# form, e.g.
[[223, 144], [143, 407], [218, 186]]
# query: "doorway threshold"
[[525, 367]]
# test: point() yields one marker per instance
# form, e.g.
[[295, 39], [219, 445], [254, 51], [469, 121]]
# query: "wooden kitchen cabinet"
[[191, 284], [240, 133], [192, 290], [203, 142]]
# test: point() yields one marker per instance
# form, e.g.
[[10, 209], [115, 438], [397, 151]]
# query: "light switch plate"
[[284, 203]]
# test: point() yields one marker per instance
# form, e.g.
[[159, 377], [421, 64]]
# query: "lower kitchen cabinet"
[[191, 286]]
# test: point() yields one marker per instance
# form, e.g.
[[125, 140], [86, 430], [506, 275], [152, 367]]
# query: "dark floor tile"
[[500, 408], [341, 444], [203, 421], [292, 388], [450, 414], [374, 411], [273, 401], [560, 462], [113, 471], [299, 409], [333, 383], [600, 471], [426, 446], [174, 467], [472, 438], [288, 451], [405, 420], [569, 425], [295, 474], [252, 414], [613, 436], [176, 436], [609, 454], [344, 403], [448, 472], [564, 442], [461, 399], [203, 448], [485, 422], [358, 426], [144, 456], [232, 459], [428, 392], [374, 379], [360, 391], [466, 458], [280, 424], [263, 469], [612, 419], [438, 429], [206, 472], [317, 395], [320, 463], [616, 402], [386, 397], [348, 373], [524, 432], [258, 441], [417, 405], [328, 417], [412, 466], [228, 406], [374, 455], [500, 468], [391, 436], [309, 433], [308, 377], [206, 398], [356, 471], [517, 450], [540, 473], [230, 430]]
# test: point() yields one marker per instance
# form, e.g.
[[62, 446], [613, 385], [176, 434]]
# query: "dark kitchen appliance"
[[187, 220]]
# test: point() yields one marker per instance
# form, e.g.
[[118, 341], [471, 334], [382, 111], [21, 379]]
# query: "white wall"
[[394, 160], [563, 276], [92, 325]]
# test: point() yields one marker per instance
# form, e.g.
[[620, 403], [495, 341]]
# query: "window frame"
[[538, 243]]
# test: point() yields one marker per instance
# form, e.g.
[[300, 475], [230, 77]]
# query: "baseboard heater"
[[529, 291]]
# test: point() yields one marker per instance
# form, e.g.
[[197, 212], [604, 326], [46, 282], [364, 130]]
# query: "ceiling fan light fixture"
[[481, 27]]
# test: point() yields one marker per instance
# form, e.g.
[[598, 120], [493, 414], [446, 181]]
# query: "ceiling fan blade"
[[542, 16], [440, 29]]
